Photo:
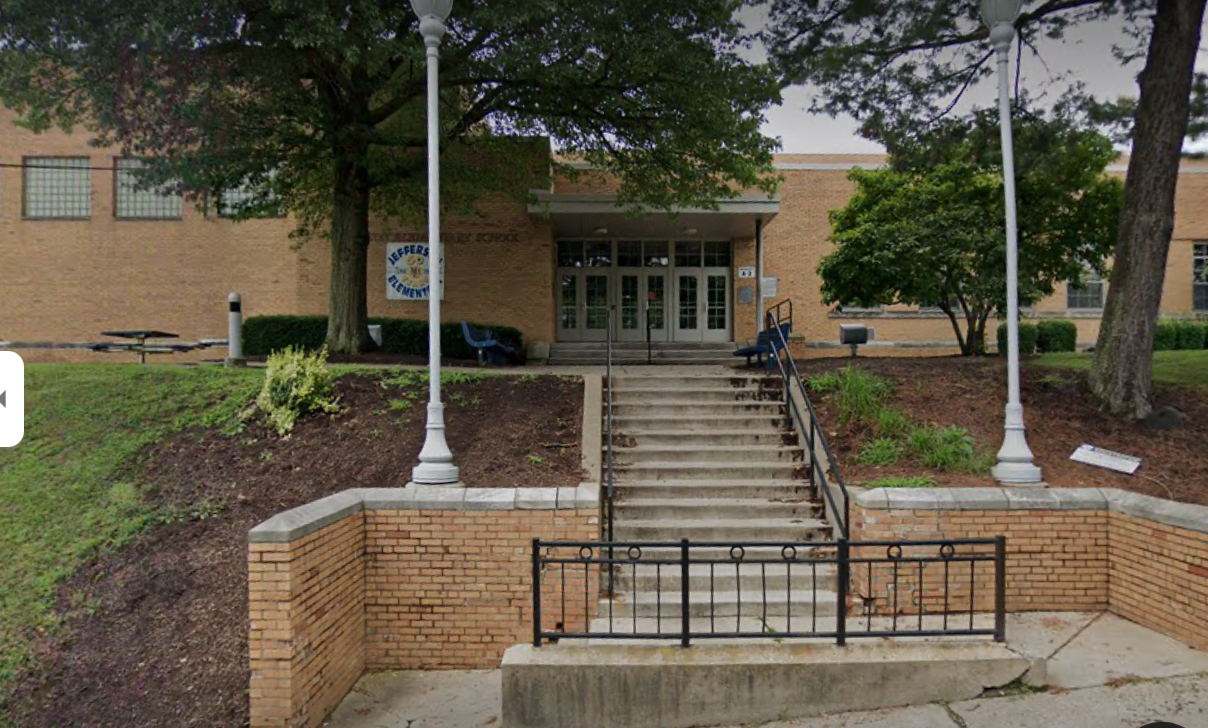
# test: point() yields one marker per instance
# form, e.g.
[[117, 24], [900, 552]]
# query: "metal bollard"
[[235, 332]]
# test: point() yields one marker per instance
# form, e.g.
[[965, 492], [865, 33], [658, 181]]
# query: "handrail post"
[[649, 359], [1000, 589], [609, 503], [685, 610], [537, 592], [844, 578]]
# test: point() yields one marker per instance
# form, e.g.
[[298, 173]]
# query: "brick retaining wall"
[[418, 577], [1074, 549]]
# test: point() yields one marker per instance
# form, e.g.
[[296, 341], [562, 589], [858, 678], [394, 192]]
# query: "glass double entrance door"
[[669, 290]]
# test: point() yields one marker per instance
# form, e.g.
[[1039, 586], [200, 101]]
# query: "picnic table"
[[140, 337]]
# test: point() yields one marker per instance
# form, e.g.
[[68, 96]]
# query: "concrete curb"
[[304, 520], [1183, 515]]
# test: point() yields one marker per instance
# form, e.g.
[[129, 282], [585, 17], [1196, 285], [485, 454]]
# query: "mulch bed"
[[1060, 414], [156, 633]]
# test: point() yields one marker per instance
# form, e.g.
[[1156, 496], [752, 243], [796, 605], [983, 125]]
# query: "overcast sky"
[[1086, 53]]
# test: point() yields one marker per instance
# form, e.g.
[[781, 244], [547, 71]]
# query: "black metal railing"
[[824, 477], [649, 346], [609, 473], [830, 590]]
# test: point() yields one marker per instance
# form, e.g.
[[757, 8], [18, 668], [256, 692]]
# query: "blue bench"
[[490, 350], [765, 344]]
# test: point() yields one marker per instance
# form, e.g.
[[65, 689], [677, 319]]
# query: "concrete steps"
[[727, 508], [711, 471], [702, 395], [651, 418], [629, 352], [709, 438], [708, 454], [721, 604], [726, 577], [721, 529], [708, 459], [719, 490], [697, 409]]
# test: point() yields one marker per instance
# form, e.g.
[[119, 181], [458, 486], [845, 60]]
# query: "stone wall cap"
[[587, 496], [920, 499], [1182, 515], [537, 499], [1033, 499], [1081, 499], [875, 498], [567, 498], [438, 497], [388, 498], [298, 522], [490, 499], [979, 499]]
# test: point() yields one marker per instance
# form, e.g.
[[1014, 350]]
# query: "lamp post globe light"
[[435, 459], [1015, 466]]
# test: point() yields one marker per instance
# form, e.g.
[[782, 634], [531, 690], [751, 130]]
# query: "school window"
[[857, 310], [234, 201], [1089, 295], [1199, 277], [57, 188], [954, 305], [136, 201]]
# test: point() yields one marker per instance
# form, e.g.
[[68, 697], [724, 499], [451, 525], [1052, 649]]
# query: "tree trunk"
[[348, 310], [1121, 374], [977, 332], [960, 339]]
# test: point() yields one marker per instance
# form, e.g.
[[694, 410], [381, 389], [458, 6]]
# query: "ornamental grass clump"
[[296, 383]]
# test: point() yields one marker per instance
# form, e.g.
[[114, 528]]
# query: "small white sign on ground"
[[1109, 459]]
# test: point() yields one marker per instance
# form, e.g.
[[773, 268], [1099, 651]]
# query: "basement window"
[[57, 188]]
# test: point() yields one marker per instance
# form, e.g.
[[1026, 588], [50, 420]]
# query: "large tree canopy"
[[319, 106], [928, 230], [903, 64]]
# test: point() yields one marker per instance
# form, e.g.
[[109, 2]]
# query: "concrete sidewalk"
[[1103, 672]]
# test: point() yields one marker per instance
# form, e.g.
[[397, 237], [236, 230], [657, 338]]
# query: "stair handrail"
[[610, 487], [777, 317]]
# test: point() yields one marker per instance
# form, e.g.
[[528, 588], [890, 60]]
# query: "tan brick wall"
[[399, 589], [1159, 577], [67, 280], [796, 241], [306, 611], [1056, 560], [452, 589], [1152, 573]]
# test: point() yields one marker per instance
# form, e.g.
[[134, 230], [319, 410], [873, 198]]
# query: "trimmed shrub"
[[1166, 336], [296, 382], [1191, 334], [1054, 336], [1027, 339], [262, 335]]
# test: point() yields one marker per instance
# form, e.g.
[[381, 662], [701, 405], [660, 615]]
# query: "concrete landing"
[[558, 686], [1138, 676]]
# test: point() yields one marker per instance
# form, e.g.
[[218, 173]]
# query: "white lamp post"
[[435, 459], [1015, 465]]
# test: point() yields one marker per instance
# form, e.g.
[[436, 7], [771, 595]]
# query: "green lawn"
[[1169, 367], [66, 490]]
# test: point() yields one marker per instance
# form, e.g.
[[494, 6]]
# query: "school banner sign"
[[407, 272]]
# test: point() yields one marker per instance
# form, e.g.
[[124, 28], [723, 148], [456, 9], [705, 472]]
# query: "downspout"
[[759, 274]]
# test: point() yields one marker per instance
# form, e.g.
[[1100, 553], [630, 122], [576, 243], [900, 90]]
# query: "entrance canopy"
[[587, 216]]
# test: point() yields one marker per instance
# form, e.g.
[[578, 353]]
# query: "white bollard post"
[[235, 332]]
